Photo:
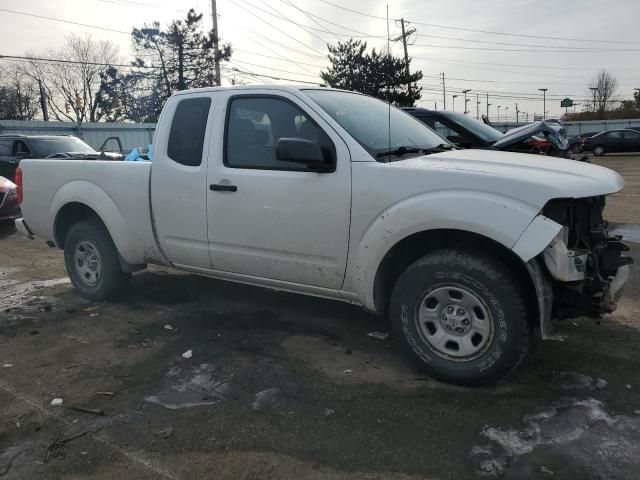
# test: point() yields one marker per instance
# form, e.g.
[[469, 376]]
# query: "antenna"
[[389, 78]]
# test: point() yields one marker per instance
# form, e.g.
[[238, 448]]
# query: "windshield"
[[53, 145], [485, 132], [367, 120]]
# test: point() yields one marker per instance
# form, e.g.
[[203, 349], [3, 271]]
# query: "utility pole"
[[477, 106], [444, 94], [499, 107], [404, 36], [466, 110], [544, 102], [517, 114], [453, 102], [43, 102], [216, 60]]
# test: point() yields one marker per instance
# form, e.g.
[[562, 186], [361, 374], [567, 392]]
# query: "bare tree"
[[72, 78], [602, 88], [19, 96]]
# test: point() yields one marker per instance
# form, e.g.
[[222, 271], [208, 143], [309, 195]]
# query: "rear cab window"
[[188, 128]]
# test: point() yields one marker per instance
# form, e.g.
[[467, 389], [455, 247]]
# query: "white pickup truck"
[[335, 194]]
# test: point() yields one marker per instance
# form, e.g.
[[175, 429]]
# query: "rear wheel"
[[92, 262], [576, 148], [460, 317], [599, 150]]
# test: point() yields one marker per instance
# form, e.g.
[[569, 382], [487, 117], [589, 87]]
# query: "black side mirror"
[[299, 150]]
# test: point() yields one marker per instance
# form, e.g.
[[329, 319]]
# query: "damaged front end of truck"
[[585, 268]]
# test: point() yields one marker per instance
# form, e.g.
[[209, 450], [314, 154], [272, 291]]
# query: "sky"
[[507, 49]]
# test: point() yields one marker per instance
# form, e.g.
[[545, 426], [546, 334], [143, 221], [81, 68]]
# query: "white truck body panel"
[[319, 233]]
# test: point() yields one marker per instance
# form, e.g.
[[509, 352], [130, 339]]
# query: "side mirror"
[[299, 150]]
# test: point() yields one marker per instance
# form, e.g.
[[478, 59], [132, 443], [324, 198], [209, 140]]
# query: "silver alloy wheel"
[[455, 322], [88, 263], [598, 150]]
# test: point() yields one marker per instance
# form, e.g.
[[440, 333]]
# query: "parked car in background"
[[9, 207], [336, 194], [575, 141], [14, 148], [467, 132], [613, 141]]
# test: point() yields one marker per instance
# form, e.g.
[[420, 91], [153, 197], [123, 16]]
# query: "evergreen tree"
[[379, 75], [177, 58]]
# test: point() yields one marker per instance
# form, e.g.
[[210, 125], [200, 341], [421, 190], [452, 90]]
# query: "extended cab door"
[[178, 179], [272, 219]]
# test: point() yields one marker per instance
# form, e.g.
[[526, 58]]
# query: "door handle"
[[218, 187]]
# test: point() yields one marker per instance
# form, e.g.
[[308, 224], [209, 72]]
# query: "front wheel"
[[92, 262], [460, 317], [599, 150]]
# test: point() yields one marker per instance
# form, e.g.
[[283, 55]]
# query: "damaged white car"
[[335, 194]]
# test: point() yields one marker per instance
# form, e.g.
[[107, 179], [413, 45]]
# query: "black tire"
[[599, 150], [576, 148], [499, 300], [110, 281]]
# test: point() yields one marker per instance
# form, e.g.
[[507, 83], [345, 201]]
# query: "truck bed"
[[118, 192]]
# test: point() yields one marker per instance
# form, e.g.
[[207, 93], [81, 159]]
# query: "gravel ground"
[[187, 377]]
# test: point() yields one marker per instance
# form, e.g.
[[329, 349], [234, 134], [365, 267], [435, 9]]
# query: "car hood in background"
[[6, 184], [551, 131]]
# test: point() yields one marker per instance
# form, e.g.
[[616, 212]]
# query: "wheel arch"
[[415, 246]]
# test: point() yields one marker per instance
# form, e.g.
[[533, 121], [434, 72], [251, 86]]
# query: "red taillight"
[[18, 182]]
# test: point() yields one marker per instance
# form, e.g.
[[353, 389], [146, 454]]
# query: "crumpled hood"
[[550, 130], [532, 178]]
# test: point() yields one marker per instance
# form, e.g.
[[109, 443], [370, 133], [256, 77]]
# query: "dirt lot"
[[335, 402]]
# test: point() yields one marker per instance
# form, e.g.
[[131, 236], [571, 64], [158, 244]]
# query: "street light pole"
[[506, 117], [453, 102], [477, 106], [465, 100], [499, 107], [544, 102]]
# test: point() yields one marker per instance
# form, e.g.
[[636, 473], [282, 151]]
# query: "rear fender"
[[91, 195]]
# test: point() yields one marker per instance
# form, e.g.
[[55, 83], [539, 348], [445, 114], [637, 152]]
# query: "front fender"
[[94, 197], [501, 219]]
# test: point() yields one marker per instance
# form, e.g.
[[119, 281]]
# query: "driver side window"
[[254, 126]]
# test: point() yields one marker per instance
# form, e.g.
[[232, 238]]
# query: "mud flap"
[[544, 295]]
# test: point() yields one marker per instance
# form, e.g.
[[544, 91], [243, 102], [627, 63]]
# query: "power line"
[[353, 11], [272, 77], [6, 10], [23, 58], [520, 65], [272, 68], [489, 32], [276, 58], [272, 26], [573, 50]]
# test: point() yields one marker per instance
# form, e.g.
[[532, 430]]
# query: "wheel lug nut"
[[450, 309], [460, 311], [459, 329], [448, 327], [465, 322]]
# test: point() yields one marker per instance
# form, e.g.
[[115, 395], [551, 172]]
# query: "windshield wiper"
[[403, 150], [443, 147]]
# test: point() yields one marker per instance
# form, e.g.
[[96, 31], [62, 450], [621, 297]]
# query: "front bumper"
[[22, 227]]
